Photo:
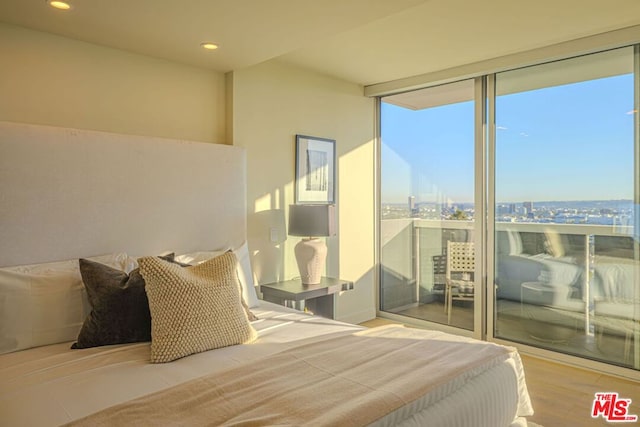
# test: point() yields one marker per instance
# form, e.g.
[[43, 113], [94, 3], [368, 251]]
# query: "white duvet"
[[52, 385]]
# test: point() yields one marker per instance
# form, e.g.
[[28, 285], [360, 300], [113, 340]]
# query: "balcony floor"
[[461, 314], [533, 325]]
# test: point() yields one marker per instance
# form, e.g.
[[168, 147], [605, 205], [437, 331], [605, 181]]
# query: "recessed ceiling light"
[[59, 4], [209, 45]]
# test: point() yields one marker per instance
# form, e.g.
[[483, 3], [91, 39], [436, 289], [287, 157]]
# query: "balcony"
[[572, 288]]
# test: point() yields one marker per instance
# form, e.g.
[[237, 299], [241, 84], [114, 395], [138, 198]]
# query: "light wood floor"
[[562, 395]]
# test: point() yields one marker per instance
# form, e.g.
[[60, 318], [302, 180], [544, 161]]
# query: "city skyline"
[[595, 212], [466, 202]]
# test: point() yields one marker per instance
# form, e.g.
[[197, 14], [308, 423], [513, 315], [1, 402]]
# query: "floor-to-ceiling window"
[[562, 251], [565, 263], [427, 201]]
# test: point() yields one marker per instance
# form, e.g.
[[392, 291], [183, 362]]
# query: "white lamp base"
[[311, 255]]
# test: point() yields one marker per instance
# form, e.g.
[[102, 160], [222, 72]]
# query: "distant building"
[[414, 211]]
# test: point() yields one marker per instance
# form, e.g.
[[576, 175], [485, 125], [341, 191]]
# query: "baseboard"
[[358, 317]]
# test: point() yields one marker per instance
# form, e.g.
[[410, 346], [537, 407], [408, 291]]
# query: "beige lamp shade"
[[311, 221]]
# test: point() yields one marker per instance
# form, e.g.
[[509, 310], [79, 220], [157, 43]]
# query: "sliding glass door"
[[566, 263], [427, 204], [524, 217]]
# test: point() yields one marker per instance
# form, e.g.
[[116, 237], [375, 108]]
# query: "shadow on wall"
[[267, 249]]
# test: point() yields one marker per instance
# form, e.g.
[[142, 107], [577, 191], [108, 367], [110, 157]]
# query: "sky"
[[568, 142]]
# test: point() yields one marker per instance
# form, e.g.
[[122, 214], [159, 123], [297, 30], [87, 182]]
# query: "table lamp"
[[311, 221]]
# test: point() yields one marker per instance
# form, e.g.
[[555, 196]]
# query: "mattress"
[[53, 385]]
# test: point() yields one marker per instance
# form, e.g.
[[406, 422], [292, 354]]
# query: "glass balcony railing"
[[573, 288]]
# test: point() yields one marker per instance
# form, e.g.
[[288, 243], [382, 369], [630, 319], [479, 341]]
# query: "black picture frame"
[[315, 170]]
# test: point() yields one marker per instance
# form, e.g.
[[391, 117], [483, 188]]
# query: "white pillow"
[[195, 258], [245, 273], [43, 304]]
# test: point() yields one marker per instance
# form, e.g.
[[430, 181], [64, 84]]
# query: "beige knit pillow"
[[194, 309]]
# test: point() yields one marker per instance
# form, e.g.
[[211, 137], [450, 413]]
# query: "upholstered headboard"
[[68, 193]]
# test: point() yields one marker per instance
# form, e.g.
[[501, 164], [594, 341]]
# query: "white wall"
[[52, 80], [271, 103]]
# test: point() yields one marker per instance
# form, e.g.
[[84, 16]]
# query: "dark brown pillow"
[[119, 307]]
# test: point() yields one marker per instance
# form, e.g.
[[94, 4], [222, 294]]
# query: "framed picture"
[[315, 170]]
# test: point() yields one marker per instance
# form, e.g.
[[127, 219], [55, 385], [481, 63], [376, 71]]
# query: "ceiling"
[[362, 41]]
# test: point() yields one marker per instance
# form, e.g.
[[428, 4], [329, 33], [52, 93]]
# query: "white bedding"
[[120, 192], [52, 385]]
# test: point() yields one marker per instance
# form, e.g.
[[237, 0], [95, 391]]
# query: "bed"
[[122, 200]]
